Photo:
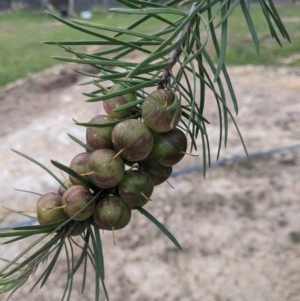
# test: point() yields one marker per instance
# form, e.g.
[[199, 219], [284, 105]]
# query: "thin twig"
[[175, 54]]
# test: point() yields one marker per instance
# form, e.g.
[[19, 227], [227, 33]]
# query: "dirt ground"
[[239, 227]]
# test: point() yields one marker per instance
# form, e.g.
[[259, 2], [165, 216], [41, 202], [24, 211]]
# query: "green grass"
[[21, 33], [22, 52], [241, 50]]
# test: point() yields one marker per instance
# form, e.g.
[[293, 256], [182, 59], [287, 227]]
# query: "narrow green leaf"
[[28, 191], [40, 165], [96, 260], [108, 62], [80, 43], [50, 266], [195, 55], [250, 24], [220, 86], [231, 90], [119, 30], [160, 226], [34, 259], [70, 250], [82, 258], [149, 11], [93, 33], [128, 105], [67, 284], [105, 290], [230, 10], [185, 127], [145, 70], [85, 256], [71, 172], [266, 13], [33, 218], [223, 46], [99, 252], [170, 43], [78, 141], [144, 18], [194, 121], [96, 125], [278, 21], [143, 85], [30, 230]]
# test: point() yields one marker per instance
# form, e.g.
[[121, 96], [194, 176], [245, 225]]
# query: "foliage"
[[19, 63], [175, 57]]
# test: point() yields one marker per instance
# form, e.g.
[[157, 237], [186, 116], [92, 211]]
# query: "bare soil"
[[239, 227]]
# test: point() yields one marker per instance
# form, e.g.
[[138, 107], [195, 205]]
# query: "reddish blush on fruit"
[[77, 203], [79, 165], [106, 168], [169, 148], [49, 209], [132, 139], [161, 111], [136, 188], [111, 213], [100, 137], [158, 173], [113, 103]]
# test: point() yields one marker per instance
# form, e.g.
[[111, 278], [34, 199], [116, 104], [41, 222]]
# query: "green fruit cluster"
[[127, 155]]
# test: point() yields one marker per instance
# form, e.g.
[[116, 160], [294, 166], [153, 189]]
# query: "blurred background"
[[239, 226]]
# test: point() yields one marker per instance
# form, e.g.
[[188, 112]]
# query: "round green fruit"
[[62, 188], [158, 173], [79, 165], [132, 139], [111, 213], [113, 103], [161, 111], [76, 202], [100, 137], [136, 188], [169, 148], [106, 168], [77, 228], [49, 209]]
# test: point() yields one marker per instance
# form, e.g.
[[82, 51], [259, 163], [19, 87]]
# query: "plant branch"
[[175, 53]]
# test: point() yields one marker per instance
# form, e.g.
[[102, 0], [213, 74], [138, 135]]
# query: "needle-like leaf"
[[160, 226], [186, 53]]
